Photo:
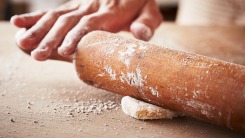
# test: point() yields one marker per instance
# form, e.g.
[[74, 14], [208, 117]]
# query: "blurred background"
[[9, 8], [183, 12]]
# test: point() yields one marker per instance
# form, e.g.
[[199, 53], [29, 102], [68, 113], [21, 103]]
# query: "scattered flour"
[[92, 106]]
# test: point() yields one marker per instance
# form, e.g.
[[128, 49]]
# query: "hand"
[[59, 30]]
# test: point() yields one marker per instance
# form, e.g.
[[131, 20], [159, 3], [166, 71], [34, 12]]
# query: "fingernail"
[[18, 37], [65, 51], [19, 22], [65, 48], [144, 32], [26, 43], [41, 54], [13, 19], [62, 51]]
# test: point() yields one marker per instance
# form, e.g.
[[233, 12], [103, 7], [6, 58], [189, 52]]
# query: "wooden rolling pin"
[[198, 86]]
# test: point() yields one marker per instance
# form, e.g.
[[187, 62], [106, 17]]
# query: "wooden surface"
[[40, 99]]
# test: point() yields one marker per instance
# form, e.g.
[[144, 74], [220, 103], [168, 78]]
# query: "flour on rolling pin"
[[141, 110], [205, 88]]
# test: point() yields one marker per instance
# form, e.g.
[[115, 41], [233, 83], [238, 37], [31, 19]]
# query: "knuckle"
[[40, 12], [66, 18], [75, 35], [90, 23], [71, 37], [48, 43], [63, 19], [89, 20], [53, 14], [31, 34]]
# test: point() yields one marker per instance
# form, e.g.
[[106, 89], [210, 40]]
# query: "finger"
[[56, 35], [62, 26], [150, 18], [102, 20], [17, 36], [54, 56], [86, 24], [27, 20], [36, 33]]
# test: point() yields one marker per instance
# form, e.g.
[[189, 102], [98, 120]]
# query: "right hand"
[[57, 32]]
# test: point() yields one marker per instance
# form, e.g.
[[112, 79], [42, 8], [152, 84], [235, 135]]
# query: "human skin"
[[58, 31]]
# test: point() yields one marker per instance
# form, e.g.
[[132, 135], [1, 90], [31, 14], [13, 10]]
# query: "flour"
[[133, 78], [111, 72], [124, 55], [142, 47], [154, 91], [93, 106], [127, 62]]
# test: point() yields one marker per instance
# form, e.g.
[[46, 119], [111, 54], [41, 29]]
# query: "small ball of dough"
[[142, 110]]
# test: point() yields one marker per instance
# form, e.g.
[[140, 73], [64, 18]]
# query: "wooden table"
[[46, 99]]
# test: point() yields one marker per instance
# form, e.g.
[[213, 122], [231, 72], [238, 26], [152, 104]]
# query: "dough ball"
[[142, 110]]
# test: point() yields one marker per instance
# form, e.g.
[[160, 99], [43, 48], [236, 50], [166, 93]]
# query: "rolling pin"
[[205, 88]]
